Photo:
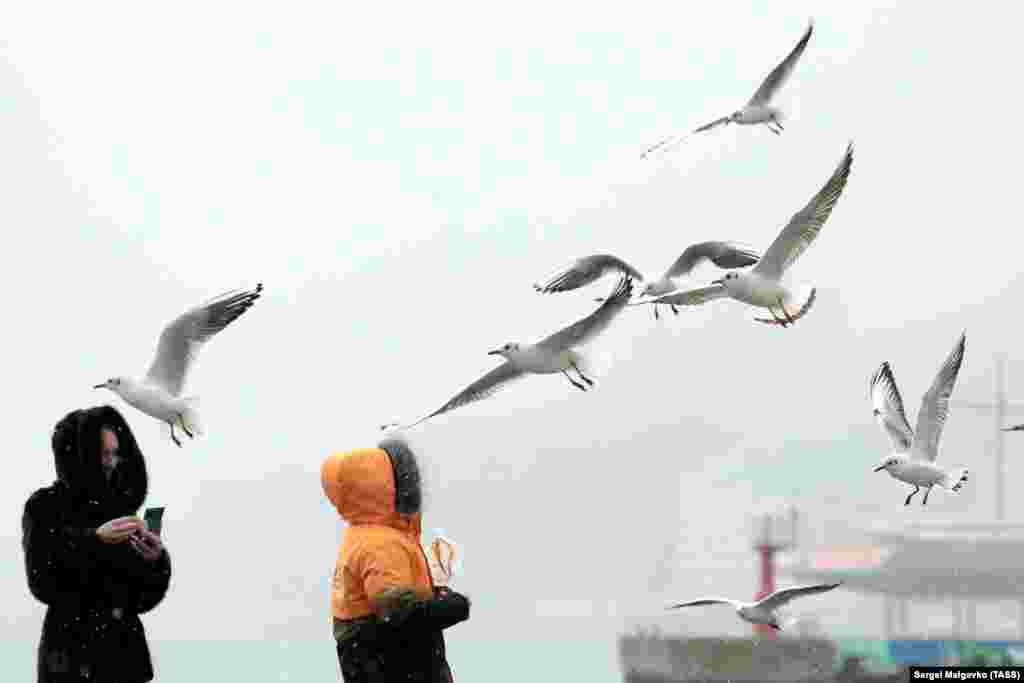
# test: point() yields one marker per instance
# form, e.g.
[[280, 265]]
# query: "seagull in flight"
[[913, 461], [553, 354], [588, 269], [759, 109], [1015, 428], [761, 286], [158, 394], [763, 611]]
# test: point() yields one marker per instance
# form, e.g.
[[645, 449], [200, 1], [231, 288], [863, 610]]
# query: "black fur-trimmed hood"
[[408, 483], [76, 448]]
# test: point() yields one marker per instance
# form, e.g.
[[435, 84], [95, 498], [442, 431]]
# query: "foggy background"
[[397, 179]]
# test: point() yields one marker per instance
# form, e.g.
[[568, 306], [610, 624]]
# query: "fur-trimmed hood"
[[76, 454], [379, 486]]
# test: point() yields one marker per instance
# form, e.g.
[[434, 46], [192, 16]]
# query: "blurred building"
[[958, 563]]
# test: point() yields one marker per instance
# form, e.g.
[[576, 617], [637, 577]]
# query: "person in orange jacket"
[[388, 615]]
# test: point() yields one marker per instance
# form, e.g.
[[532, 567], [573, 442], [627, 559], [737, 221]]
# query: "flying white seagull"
[[553, 354], [759, 109], [762, 611], [727, 255], [761, 286], [158, 394], [1015, 428], [914, 460]]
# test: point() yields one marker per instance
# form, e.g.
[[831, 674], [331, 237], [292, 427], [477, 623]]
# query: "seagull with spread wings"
[[554, 354], [726, 255], [762, 611], [761, 286], [913, 462], [158, 394], [760, 108]]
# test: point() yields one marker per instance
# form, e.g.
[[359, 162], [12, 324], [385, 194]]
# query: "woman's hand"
[[147, 544], [119, 530]]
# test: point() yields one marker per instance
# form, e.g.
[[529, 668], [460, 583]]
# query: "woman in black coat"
[[89, 558]]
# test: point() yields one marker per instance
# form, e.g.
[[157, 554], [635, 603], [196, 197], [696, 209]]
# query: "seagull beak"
[[100, 386], [494, 353], [879, 468], [718, 282]]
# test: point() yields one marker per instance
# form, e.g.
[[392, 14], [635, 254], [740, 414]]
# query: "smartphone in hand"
[[153, 518]]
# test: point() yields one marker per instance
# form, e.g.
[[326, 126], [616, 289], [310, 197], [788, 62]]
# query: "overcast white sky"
[[398, 178]]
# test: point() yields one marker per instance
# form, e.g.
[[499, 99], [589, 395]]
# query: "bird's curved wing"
[[935, 404], [805, 224], [690, 297], [586, 270], [887, 406], [781, 597], [705, 601], [485, 387], [586, 329], [713, 124], [726, 255], [181, 338], [780, 74], [664, 143]]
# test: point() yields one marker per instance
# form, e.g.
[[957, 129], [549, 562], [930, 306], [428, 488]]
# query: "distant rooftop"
[[936, 559]]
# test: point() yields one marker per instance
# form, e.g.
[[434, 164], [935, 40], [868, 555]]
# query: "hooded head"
[[378, 486], [78, 452]]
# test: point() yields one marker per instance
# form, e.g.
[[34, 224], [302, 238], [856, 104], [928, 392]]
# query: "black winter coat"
[[409, 646], [94, 591]]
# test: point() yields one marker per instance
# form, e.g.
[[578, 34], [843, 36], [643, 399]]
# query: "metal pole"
[[1000, 409], [957, 621], [888, 617], [1000, 436]]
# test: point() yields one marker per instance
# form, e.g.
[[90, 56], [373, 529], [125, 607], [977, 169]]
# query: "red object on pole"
[[767, 584]]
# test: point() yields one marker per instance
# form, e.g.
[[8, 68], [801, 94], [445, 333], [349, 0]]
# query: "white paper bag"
[[443, 556]]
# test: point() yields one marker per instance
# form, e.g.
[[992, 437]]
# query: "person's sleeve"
[[444, 610], [448, 607], [141, 585], [387, 579], [60, 563]]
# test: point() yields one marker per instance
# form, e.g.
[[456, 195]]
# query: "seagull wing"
[[485, 387], [804, 226], [182, 338], [586, 270], [935, 404], [586, 329], [723, 254], [713, 124], [705, 601], [690, 297], [780, 74], [887, 406], [781, 597]]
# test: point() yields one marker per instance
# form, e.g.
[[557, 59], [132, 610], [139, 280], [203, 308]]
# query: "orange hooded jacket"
[[380, 549]]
